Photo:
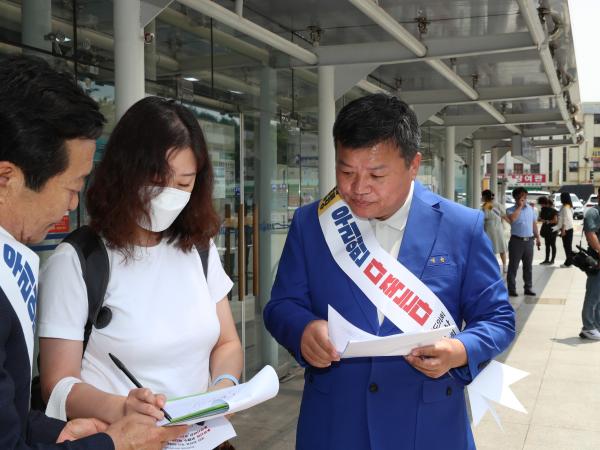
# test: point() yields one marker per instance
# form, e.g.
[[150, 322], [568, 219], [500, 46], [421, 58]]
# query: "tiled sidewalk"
[[561, 394]]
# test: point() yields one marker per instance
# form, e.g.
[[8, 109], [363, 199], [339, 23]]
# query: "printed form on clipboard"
[[200, 407]]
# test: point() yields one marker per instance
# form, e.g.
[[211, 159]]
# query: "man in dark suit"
[[48, 128], [387, 403]]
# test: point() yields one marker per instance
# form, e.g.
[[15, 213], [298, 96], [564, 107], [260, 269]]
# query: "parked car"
[[577, 205], [591, 202]]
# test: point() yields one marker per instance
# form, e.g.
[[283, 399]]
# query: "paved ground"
[[561, 394]]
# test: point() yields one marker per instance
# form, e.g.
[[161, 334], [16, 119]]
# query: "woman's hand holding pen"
[[143, 401]]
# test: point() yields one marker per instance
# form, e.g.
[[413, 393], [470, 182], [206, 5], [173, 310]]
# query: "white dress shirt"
[[389, 232]]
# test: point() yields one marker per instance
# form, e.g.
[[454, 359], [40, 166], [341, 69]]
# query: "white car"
[[532, 198], [591, 202], [577, 205]]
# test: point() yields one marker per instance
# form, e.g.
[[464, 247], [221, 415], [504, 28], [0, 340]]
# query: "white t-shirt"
[[164, 322]]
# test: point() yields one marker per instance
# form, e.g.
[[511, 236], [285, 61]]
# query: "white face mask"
[[164, 207]]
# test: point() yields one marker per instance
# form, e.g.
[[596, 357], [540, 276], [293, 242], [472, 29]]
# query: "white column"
[[129, 54], [494, 172], [268, 176], [449, 163], [476, 163], [470, 168], [326, 121], [36, 22]]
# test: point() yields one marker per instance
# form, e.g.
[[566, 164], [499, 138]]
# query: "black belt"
[[524, 239]]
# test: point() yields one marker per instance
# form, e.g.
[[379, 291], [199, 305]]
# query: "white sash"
[[392, 288], [18, 278], [402, 297]]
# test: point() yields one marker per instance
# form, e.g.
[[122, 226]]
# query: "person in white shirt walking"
[[565, 226]]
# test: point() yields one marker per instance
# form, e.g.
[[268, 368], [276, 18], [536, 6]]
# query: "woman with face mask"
[[150, 201]]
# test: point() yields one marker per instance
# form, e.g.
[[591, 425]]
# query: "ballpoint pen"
[[129, 375]]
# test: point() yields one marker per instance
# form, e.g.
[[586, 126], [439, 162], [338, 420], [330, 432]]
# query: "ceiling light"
[[191, 79]]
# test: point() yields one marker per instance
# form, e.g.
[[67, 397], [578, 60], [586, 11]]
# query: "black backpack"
[[95, 269]]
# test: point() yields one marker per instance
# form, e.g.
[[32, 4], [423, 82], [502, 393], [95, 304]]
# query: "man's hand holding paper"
[[437, 359], [315, 345]]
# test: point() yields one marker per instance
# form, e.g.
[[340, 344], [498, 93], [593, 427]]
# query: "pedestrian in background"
[[523, 231], [565, 226], [493, 214], [590, 313], [549, 219]]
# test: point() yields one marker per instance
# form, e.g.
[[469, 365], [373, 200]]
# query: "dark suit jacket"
[[20, 428]]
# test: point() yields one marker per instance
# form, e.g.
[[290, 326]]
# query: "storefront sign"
[[528, 178]]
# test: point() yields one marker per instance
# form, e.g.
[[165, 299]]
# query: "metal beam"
[[249, 28], [511, 119], [551, 142], [347, 77], [538, 35], [151, 9], [371, 88], [488, 94], [378, 15], [392, 52], [499, 133], [425, 112]]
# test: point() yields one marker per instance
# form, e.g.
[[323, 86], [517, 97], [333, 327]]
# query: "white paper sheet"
[[492, 385], [352, 342], [207, 436], [262, 387]]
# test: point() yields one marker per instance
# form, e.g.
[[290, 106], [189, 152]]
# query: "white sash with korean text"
[[19, 268], [402, 297]]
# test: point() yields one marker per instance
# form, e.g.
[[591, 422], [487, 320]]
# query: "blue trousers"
[[590, 314]]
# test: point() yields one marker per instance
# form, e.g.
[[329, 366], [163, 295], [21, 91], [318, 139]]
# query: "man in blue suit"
[[411, 402]]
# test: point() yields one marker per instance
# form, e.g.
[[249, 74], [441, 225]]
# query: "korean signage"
[[529, 178]]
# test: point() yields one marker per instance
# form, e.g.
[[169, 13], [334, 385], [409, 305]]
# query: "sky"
[[585, 21]]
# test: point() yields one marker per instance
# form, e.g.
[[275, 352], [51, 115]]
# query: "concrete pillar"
[[469, 162], [449, 163], [129, 54], [326, 121], [268, 177], [476, 164], [150, 52], [494, 171], [36, 22]]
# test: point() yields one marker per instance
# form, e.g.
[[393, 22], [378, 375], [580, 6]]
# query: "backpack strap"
[[203, 252], [95, 269]]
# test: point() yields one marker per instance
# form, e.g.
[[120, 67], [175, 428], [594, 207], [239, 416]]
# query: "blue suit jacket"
[[384, 403]]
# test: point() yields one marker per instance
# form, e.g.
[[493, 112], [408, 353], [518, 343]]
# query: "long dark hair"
[[136, 156], [565, 199]]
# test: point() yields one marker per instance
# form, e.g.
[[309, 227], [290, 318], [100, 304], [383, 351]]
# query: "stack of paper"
[[196, 408], [352, 342]]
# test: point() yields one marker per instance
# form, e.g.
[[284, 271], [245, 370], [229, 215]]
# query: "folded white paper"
[[199, 407], [492, 384], [352, 342]]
